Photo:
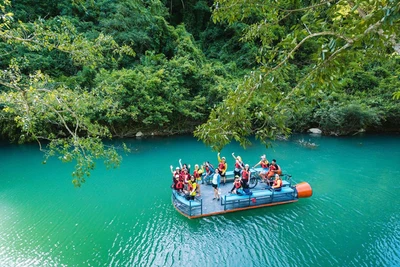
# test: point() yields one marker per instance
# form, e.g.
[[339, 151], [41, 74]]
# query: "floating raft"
[[205, 205]]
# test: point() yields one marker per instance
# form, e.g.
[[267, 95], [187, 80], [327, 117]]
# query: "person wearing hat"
[[264, 165], [176, 173], [222, 166], [175, 176]]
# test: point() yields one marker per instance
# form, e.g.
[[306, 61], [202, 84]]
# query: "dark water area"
[[124, 217]]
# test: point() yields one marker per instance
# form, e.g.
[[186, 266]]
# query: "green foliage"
[[38, 108], [75, 73], [325, 41], [165, 92], [71, 81], [348, 118]]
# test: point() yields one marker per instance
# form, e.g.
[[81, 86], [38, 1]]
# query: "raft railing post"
[[201, 206], [225, 202], [190, 208]]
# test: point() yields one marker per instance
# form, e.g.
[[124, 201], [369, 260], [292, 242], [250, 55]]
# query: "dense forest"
[[75, 72]]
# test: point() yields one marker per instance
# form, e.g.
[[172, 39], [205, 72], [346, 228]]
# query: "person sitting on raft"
[[223, 166], [265, 167], [185, 176], [192, 188], [274, 169], [178, 184], [237, 184], [239, 165], [216, 179], [209, 171], [197, 173], [277, 185], [175, 175]]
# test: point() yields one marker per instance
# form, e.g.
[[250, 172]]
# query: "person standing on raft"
[[216, 179], [239, 165], [222, 166]]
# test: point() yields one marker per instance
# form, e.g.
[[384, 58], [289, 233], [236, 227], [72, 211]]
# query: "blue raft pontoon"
[[204, 205]]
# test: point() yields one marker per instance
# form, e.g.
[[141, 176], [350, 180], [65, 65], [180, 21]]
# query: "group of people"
[[189, 184]]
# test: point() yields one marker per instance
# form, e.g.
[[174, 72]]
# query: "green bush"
[[347, 118]]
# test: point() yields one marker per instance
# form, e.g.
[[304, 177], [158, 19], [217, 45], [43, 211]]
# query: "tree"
[[336, 33], [38, 108]]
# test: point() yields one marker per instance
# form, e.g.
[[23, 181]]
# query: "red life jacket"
[[276, 183], [273, 167], [190, 186], [245, 174], [237, 165], [196, 174], [179, 185], [186, 177], [238, 184], [264, 164], [221, 166]]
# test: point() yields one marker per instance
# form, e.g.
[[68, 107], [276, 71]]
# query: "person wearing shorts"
[[215, 183], [222, 166], [265, 167]]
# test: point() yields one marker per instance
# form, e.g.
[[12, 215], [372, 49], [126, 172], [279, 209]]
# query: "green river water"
[[124, 217]]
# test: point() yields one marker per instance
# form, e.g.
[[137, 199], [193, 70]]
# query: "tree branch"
[[307, 8], [305, 39]]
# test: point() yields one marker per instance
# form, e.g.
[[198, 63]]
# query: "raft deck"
[[205, 205]]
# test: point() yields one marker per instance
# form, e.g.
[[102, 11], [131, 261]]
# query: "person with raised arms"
[[239, 165], [209, 171], [175, 176], [184, 166], [265, 167]]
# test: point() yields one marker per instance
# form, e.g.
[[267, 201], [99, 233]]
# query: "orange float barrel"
[[303, 190]]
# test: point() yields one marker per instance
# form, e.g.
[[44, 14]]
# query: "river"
[[124, 217]]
